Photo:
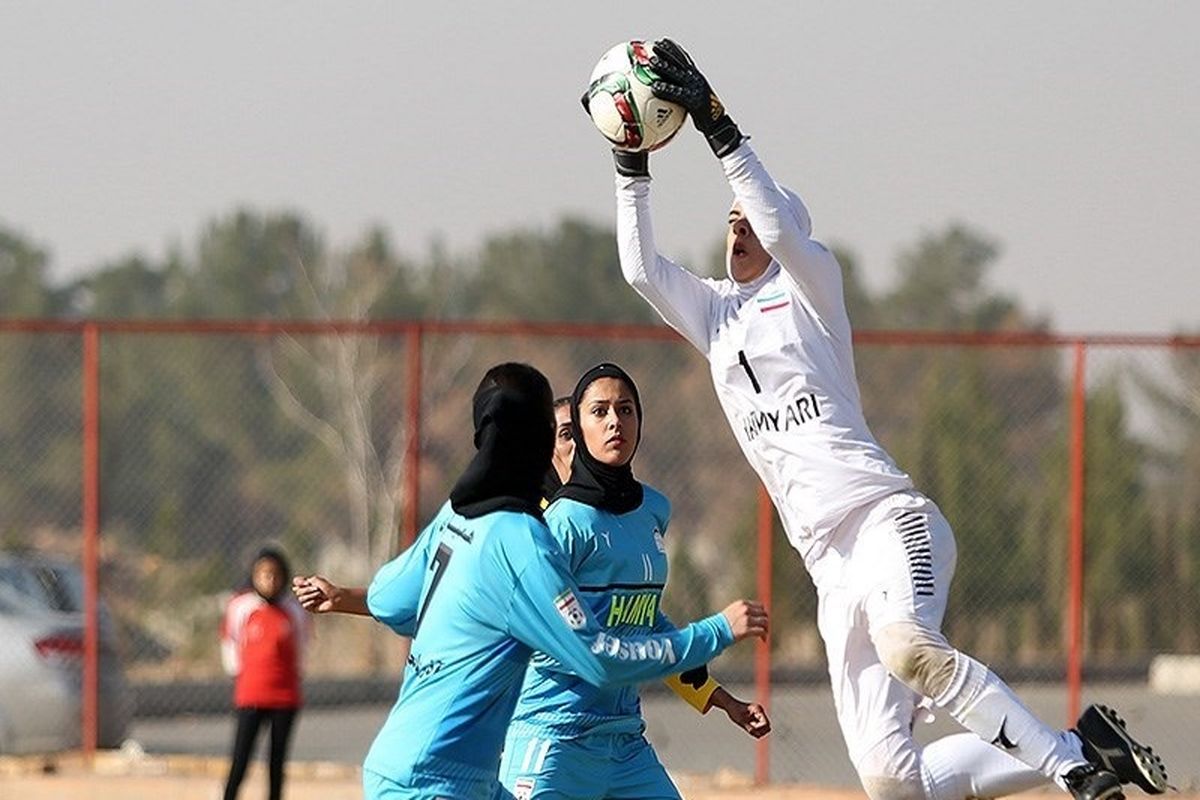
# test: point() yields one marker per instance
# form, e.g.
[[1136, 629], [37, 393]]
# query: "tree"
[[133, 288], [1173, 486], [968, 424], [39, 407], [956, 453], [860, 306], [570, 273], [1118, 562], [337, 389], [23, 278], [245, 267], [942, 287]]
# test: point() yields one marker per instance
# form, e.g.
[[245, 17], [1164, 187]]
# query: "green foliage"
[[860, 306], [250, 265], [570, 273], [24, 284], [132, 288], [942, 284], [1173, 493]]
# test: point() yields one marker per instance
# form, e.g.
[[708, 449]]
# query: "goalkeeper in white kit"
[[778, 340]]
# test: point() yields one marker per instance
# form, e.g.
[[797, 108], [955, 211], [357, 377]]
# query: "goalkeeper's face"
[[745, 255]]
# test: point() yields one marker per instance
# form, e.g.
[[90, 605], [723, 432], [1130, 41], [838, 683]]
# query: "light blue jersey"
[[569, 738], [478, 596], [620, 564]]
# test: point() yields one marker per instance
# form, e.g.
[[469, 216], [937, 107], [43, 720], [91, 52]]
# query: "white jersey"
[[780, 353]]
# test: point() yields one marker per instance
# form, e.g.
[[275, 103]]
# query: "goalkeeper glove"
[[632, 165], [681, 82]]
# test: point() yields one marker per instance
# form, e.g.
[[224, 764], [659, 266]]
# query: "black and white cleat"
[[1108, 744]]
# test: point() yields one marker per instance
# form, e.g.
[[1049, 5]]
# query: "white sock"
[[984, 705], [963, 765]]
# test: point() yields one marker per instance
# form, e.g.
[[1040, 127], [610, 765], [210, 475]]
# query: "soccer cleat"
[[1090, 782], [1107, 744]]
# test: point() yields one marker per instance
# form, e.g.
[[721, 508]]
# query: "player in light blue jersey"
[[568, 738], [483, 587]]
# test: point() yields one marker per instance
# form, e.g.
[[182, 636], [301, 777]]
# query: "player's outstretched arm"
[[684, 301], [546, 614], [319, 595], [701, 691]]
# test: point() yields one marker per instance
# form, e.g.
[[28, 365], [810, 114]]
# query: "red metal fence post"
[[762, 649], [1075, 556], [91, 537], [412, 434]]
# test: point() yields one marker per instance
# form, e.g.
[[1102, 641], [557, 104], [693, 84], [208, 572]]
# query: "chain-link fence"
[[215, 440]]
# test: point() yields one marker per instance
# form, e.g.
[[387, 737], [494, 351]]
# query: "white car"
[[41, 660]]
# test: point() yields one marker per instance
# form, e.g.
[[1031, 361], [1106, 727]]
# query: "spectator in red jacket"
[[262, 640]]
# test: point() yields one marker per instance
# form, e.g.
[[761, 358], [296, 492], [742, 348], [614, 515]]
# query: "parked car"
[[41, 660]]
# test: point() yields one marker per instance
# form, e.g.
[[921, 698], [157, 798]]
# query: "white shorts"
[[890, 561]]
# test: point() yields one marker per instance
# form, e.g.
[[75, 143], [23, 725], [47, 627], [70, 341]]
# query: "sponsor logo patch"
[[570, 609], [658, 541], [523, 788]]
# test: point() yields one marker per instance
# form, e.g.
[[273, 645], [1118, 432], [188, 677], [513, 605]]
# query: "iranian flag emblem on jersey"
[[571, 610]]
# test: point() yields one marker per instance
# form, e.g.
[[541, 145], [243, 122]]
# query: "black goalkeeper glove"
[[681, 82], [632, 165], [629, 164]]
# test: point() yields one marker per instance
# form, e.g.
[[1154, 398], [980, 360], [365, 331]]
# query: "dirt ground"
[[116, 777], [81, 786], [196, 788]]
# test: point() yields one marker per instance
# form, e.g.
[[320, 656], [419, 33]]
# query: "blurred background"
[[400, 197]]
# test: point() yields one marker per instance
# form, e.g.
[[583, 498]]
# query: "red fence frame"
[[91, 332]]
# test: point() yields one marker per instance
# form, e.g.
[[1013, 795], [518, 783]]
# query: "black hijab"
[[592, 482], [551, 483], [514, 439]]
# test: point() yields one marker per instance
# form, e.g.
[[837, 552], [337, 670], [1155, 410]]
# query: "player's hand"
[[747, 618], [750, 717], [316, 594], [680, 81]]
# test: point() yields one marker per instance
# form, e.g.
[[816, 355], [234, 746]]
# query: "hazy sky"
[[1069, 131]]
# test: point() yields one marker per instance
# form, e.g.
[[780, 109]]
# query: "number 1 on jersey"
[[441, 560], [745, 362]]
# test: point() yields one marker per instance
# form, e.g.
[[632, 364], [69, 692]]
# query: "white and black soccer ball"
[[621, 104]]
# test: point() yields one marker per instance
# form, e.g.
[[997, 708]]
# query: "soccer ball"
[[621, 104]]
